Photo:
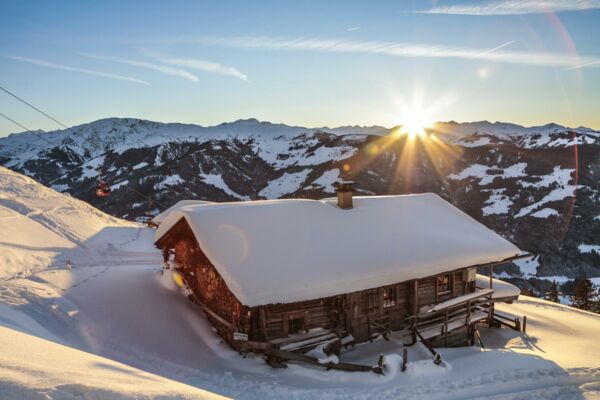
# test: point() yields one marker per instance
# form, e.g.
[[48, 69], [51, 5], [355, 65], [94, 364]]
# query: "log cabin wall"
[[206, 283], [428, 293], [274, 321]]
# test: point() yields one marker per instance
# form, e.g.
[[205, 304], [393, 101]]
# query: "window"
[[296, 325], [389, 297], [443, 283]]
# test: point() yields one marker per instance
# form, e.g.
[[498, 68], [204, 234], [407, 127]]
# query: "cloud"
[[143, 64], [44, 63], [353, 28], [199, 65], [586, 65], [397, 49], [515, 7], [495, 48]]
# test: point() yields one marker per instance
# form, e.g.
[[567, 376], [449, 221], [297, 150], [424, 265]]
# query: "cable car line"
[[35, 108], [103, 186]]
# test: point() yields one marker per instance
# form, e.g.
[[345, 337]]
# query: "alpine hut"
[[282, 274]]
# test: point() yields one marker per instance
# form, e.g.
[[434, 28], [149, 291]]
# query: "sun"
[[414, 122]]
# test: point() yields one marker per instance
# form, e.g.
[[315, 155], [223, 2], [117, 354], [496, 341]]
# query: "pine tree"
[[552, 293], [585, 296]]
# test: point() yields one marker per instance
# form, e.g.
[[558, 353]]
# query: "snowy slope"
[[558, 357], [41, 228], [118, 328], [34, 368]]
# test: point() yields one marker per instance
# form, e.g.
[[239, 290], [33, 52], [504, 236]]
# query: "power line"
[[35, 108], [15, 122], [66, 127], [53, 144]]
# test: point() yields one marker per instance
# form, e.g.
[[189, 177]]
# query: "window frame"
[[438, 286], [389, 298]]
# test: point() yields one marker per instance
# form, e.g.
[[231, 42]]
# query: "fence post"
[[525, 324], [404, 359]]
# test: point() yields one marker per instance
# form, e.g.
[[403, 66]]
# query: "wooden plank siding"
[[358, 313]]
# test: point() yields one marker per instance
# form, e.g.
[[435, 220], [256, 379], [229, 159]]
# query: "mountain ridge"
[[527, 183]]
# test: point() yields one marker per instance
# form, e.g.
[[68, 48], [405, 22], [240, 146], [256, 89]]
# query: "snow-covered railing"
[[455, 314]]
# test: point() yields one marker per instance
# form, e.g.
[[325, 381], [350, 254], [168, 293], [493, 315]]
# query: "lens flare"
[[414, 122]]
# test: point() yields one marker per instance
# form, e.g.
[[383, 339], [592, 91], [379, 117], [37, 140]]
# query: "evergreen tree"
[[552, 293], [585, 296]]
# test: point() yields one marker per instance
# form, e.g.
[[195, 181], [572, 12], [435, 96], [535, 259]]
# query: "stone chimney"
[[344, 192]]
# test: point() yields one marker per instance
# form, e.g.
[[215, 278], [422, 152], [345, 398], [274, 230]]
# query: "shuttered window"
[[443, 283]]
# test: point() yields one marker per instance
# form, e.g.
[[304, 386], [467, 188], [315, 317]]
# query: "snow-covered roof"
[[502, 290], [281, 251], [161, 217]]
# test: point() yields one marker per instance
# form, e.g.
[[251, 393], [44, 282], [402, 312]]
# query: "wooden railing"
[[449, 318]]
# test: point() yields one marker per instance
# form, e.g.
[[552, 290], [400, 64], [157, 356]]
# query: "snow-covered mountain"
[[115, 327], [537, 186]]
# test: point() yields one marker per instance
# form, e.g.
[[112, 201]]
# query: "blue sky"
[[310, 63]]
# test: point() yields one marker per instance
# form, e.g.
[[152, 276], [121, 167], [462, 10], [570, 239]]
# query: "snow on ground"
[[217, 181], [327, 180], [169, 181], [42, 228], [559, 179], [114, 327], [545, 213], [528, 266], [498, 203], [35, 368], [487, 174], [589, 248], [118, 185], [178, 344], [286, 183]]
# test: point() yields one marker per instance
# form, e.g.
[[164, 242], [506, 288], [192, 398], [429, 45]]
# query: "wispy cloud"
[[397, 49], [353, 28], [197, 64], [48, 64], [515, 7], [586, 65], [143, 64], [495, 48]]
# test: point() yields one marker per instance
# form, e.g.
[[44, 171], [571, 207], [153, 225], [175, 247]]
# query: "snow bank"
[[292, 250], [34, 368]]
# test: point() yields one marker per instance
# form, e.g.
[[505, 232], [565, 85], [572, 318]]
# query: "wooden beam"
[[289, 356], [416, 297], [263, 323]]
